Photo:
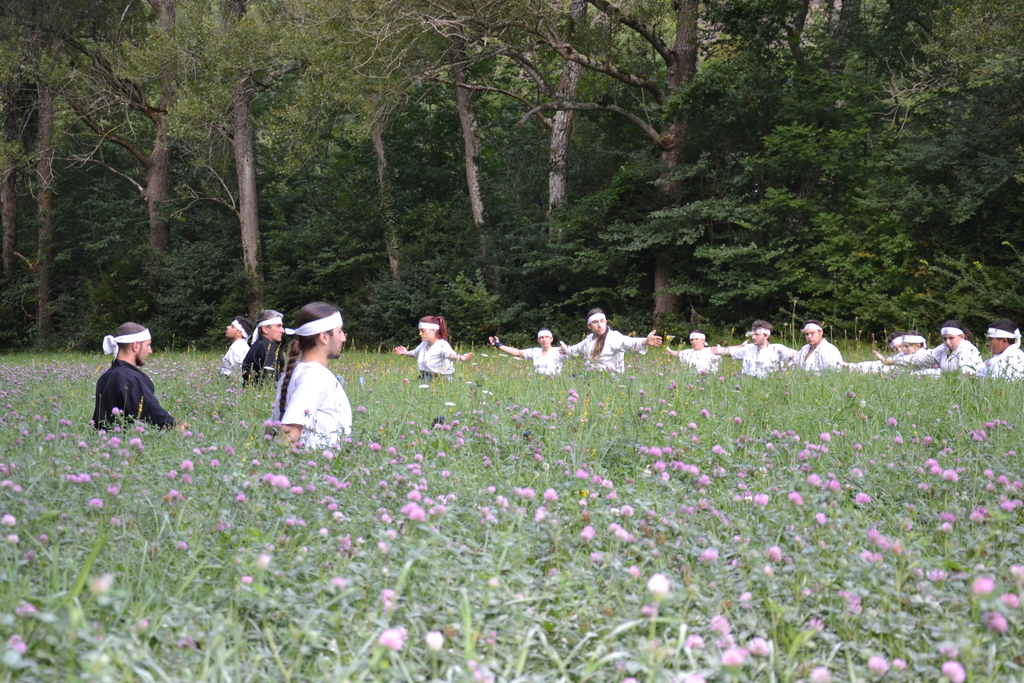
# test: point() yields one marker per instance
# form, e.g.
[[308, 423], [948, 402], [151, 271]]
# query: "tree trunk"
[[562, 125], [44, 211], [9, 178], [470, 140], [248, 206], [387, 201], [681, 69], [158, 165]]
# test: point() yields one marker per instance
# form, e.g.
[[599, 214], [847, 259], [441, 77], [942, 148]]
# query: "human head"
[[270, 324], [894, 341], [432, 327], [597, 322], [911, 341], [545, 338], [698, 340], [760, 332], [239, 328], [813, 332], [318, 324], [1001, 335], [131, 342], [954, 332]]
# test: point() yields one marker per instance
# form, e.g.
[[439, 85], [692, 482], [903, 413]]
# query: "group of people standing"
[[313, 411]]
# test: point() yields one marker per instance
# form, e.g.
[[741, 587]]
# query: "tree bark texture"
[[562, 126], [682, 67], [158, 164], [387, 200], [470, 140], [9, 178], [248, 204], [44, 214]]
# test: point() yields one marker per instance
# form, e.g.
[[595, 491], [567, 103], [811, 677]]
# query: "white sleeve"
[[833, 357], [581, 348], [619, 342], [971, 361], [530, 354]]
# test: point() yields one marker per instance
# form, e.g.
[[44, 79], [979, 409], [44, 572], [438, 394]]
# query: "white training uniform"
[[549, 363], [435, 358], [966, 358], [615, 346], [1009, 365], [231, 363], [759, 362], [318, 403], [824, 357], [875, 365], [701, 361]]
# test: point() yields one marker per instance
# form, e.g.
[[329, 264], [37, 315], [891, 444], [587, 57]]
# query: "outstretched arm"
[[510, 350]]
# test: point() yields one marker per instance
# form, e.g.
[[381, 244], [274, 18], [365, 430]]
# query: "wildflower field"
[[656, 526]]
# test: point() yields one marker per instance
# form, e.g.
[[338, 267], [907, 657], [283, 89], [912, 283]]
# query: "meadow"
[[655, 526]]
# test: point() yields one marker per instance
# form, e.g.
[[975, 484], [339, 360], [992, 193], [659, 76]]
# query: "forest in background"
[[508, 164]]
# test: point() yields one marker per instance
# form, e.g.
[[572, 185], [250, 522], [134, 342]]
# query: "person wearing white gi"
[[311, 405], [957, 353], [604, 348], [238, 331], [818, 353], [1004, 342], [895, 342], [761, 357], [434, 355], [699, 357], [547, 360], [913, 353]]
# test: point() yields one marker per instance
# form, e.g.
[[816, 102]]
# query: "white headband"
[[543, 332], [238, 326], [955, 331], [110, 342], [596, 317], [697, 335], [897, 341], [813, 327], [317, 326], [912, 339], [429, 326], [995, 333], [762, 330], [268, 321]]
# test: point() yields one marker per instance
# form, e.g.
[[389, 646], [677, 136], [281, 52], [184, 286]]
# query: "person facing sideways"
[[265, 359], [124, 391], [434, 355], [914, 352], [1004, 342], [605, 348], [699, 357], [237, 333], [547, 359], [894, 342], [818, 353], [761, 357], [311, 404]]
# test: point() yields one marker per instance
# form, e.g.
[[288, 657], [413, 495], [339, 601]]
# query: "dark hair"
[[127, 328], [245, 323], [314, 311], [959, 325], [439, 321], [698, 330], [812, 321], [761, 323], [894, 335], [267, 314], [598, 341], [1004, 325]]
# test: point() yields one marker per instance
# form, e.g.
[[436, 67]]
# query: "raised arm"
[[510, 350]]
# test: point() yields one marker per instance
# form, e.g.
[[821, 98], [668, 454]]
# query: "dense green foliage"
[[860, 168]]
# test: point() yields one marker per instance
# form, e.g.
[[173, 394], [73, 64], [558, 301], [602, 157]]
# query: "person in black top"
[[124, 392], [266, 357]]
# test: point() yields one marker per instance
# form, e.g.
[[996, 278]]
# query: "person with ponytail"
[[605, 348], [311, 405], [434, 355], [1004, 342]]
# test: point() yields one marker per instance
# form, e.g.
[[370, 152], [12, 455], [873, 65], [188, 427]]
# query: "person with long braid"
[[604, 348], [434, 355], [311, 405]]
